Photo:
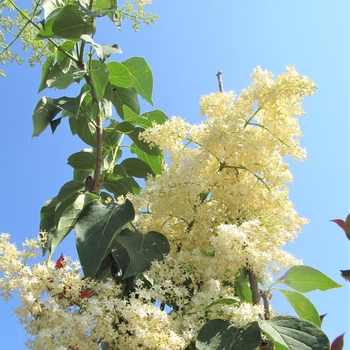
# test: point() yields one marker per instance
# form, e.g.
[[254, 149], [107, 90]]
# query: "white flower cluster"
[[222, 203]]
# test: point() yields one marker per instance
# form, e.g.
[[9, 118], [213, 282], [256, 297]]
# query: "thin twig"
[[221, 87]]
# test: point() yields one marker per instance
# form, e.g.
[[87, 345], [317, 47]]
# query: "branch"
[[253, 284], [221, 87]]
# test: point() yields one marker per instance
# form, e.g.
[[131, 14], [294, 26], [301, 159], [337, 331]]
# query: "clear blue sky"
[[186, 47]]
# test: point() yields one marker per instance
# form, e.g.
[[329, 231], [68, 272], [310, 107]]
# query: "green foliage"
[[88, 204], [291, 333], [221, 335], [306, 279]]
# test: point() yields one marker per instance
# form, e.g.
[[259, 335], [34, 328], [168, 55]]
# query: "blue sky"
[[185, 48]]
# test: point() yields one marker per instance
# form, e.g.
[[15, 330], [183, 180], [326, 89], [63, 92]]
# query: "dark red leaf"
[[340, 223], [60, 262], [322, 317], [85, 294], [338, 343]]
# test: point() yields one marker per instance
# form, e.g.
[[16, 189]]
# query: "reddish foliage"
[[60, 262], [338, 343], [340, 223]]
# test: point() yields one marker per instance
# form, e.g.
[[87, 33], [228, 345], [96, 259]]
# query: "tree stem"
[[253, 283]]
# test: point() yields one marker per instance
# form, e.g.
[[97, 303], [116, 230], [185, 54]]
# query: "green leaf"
[[292, 333], [50, 5], [119, 170], [47, 214], [68, 219], [302, 306], [122, 187], [102, 51], [96, 228], [124, 96], [99, 77], [124, 127], [154, 162], [221, 335], [82, 160], [306, 279], [224, 301], [142, 249], [110, 136], [54, 124], [43, 114], [68, 188], [47, 66], [243, 291], [63, 60], [67, 23], [144, 146], [68, 104], [347, 226], [142, 77], [119, 75], [64, 204], [136, 167], [59, 79], [146, 119], [85, 128]]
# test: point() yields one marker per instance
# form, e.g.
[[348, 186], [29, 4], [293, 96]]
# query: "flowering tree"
[[189, 260]]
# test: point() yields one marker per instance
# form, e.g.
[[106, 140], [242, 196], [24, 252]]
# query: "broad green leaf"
[[103, 51], [119, 75], [50, 5], [47, 66], [292, 333], [105, 107], [155, 162], [68, 188], [144, 120], [63, 60], [347, 226], [96, 228], [54, 124], [243, 291], [67, 23], [68, 104], [136, 167], [81, 175], [306, 279], [68, 219], [221, 335], [104, 4], [144, 146], [124, 96], [122, 187], [59, 79], [302, 306], [43, 114], [85, 128], [119, 170], [224, 301], [110, 136], [47, 215], [142, 249], [125, 127], [142, 77], [82, 160], [99, 77], [64, 204]]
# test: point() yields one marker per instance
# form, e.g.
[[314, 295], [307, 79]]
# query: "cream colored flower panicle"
[[221, 201]]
